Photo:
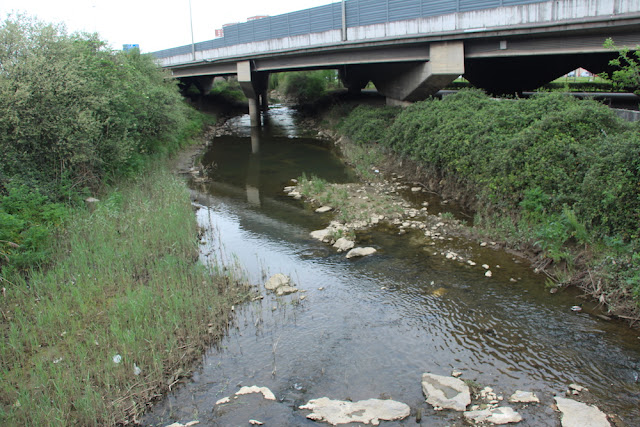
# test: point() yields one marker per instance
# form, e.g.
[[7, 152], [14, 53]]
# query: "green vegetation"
[[73, 115], [229, 90], [556, 173], [80, 287], [627, 74], [349, 200], [123, 282], [305, 86]]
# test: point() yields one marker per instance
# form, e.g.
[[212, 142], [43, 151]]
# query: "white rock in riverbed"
[[323, 209], [268, 394], [344, 244], [322, 235], [276, 281], [438, 390], [524, 397], [501, 415], [370, 411], [286, 290], [357, 252], [578, 414]]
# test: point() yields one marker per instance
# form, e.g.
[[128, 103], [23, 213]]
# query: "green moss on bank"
[[552, 173]]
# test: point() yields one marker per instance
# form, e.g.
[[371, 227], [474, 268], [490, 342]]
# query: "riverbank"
[[573, 235], [119, 317]]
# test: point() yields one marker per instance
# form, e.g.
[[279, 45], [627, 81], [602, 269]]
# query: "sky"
[[154, 25]]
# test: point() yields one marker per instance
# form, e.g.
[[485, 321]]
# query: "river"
[[369, 327]]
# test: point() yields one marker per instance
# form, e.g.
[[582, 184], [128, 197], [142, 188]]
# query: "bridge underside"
[[414, 69]]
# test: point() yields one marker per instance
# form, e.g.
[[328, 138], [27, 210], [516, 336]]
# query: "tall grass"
[[124, 282]]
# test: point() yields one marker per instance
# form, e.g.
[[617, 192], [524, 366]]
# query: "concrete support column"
[[416, 81], [254, 112], [354, 77], [264, 101], [254, 85]]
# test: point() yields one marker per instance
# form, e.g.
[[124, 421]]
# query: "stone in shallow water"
[[286, 290], [524, 397], [255, 389], [578, 414], [360, 252], [445, 392], [501, 415], [344, 244], [370, 411], [276, 281]]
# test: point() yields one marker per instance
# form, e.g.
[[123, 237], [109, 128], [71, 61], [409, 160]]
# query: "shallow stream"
[[369, 327]]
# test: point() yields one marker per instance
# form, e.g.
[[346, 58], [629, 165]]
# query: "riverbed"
[[369, 327]]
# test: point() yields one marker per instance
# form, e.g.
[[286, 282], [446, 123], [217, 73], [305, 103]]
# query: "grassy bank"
[[124, 285], [554, 176]]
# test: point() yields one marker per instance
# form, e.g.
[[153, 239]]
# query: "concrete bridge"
[[412, 48]]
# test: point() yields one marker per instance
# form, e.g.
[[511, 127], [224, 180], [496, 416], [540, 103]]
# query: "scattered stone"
[[370, 411], [488, 273], [471, 263], [189, 424], [485, 266], [324, 209], [276, 281], [416, 189], [445, 392], [358, 252], [344, 244], [501, 415], [523, 397], [578, 414], [456, 374], [322, 235], [577, 388], [286, 290], [255, 389], [256, 423], [223, 401], [483, 244]]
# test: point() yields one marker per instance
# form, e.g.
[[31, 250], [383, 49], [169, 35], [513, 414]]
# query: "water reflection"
[[253, 174]]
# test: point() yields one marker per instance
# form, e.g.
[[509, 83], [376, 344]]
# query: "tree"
[[628, 62]]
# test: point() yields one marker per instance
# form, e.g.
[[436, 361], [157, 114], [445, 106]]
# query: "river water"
[[369, 327]]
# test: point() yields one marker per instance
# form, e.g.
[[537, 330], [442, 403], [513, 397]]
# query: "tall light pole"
[[193, 45], [344, 20]]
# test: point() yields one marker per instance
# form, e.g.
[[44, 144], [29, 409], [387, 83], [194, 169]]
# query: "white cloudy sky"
[[154, 25]]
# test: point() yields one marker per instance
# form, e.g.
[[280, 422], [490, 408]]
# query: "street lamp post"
[[193, 45]]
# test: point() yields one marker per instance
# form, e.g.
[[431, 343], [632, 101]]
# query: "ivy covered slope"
[[73, 115], [552, 173]]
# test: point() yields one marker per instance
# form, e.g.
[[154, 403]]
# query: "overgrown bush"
[[305, 86], [558, 166], [72, 114]]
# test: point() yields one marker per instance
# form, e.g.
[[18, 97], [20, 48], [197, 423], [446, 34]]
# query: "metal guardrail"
[[329, 17]]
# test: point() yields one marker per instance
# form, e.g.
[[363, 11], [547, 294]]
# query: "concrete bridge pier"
[[254, 85], [354, 77], [409, 82]]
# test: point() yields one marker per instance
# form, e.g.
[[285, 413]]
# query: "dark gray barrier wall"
[[329, 17]]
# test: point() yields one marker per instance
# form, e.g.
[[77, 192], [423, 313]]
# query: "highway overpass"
[[412, 48]]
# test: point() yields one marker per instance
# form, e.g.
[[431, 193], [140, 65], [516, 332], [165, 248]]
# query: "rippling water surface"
[[379, 322]]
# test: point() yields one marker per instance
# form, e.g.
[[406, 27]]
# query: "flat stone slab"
[[276, 281], [255, 389], [357, 252], [324, 209], [523, 397], [445, 392], [286, 290], [501, 415], [370, 411], [578, 414]]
